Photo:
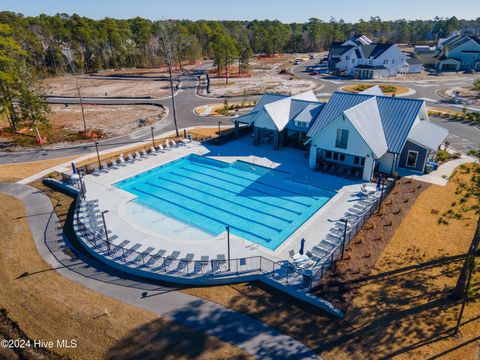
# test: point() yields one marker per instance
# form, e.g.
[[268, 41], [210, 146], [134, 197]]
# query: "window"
[[347, 58], [301, 123], [342, 139], [335, 156], [412, 158], [393, 61], [356, 160], [342, 157], [385, 62], [353, 61], [370, 62], [362, 162], [328, 154]]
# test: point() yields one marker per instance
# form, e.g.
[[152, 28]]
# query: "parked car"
[[312, 56], [297, 62], [314, 73]]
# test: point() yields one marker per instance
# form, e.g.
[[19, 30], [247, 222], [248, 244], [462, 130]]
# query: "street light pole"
[[98, 155], [228, 245], [105, 229], [153, 137], [219, 123]]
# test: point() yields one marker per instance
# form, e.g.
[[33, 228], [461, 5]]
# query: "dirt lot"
[[89, 86], [401, 309], [66, 123], [112, 120], [265, 77], [45, 305]]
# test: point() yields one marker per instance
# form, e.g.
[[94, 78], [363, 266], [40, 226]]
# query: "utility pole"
[[167, 50], [67, 53]]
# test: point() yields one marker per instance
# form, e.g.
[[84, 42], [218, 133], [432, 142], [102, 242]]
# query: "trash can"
[[307, 278], [428, 168]]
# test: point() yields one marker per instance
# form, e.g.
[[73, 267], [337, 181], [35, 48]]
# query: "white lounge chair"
[[160, 147], [137, 155], [167, 145], [121, 159], [131, 158], [144, 153], [96, 170], [114, 162], [174, 144], [104, 165], [152, 150]]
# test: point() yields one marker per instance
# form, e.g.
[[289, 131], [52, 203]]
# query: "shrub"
[[442, 155]]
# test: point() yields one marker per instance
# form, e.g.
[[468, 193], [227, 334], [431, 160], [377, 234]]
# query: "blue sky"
[[284, 10]]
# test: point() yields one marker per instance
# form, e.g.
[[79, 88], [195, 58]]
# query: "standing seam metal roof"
[[397, 114]]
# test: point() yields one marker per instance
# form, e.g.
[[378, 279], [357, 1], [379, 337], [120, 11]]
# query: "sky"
[[283, 10]]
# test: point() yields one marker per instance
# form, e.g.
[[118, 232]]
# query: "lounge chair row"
[[122, 160], [324, 248]]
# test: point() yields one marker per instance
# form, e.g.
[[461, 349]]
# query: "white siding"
[[356, 146]]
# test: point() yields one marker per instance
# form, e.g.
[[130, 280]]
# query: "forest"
[[41, 46], [65, 43]]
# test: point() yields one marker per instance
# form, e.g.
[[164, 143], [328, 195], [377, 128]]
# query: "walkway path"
[[241, 330]]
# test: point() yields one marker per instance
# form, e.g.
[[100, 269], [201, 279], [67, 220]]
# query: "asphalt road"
[[185, 98], [463, 137]]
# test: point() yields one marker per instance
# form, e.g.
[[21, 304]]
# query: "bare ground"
[[112, 120], [265, 77], [89, 86]]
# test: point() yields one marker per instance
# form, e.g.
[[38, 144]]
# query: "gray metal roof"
[[428, 135], [338, 103], [267, 99], [397, 115]]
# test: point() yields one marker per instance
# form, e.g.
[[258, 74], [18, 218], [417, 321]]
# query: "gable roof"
[[397, 115], [375, 50], [428, 135], [264, 100], [374, 90], [365, 117], [338, 103], [280, 111]]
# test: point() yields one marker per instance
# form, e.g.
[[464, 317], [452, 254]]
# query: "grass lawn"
[[16, 172], [47, 306], [401, 309]]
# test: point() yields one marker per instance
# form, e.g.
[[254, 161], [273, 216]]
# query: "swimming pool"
[[259, 204]]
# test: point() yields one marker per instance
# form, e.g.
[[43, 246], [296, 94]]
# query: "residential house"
[[458, 53], [364, 59]]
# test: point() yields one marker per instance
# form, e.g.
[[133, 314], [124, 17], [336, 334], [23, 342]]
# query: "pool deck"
[[142, 237]]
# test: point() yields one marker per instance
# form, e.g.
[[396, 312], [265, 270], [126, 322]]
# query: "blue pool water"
[[259, 204]]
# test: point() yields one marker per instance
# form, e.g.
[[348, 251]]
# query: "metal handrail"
[[278, 270]]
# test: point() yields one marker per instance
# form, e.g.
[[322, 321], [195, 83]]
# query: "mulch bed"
[[340, 284]]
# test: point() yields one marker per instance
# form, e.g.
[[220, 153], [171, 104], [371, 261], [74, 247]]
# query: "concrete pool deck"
[[146, 233]]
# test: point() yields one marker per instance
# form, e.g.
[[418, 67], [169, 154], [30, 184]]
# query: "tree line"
[[64, 43]]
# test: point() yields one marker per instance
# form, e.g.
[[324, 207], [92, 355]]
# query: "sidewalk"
[[241, 330]]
